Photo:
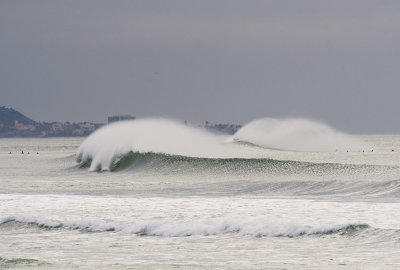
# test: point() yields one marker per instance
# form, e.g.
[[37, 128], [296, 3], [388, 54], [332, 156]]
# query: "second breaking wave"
[[180, 228], [164, 136]]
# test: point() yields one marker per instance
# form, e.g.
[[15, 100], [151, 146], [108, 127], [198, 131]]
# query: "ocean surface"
[[132, 196]]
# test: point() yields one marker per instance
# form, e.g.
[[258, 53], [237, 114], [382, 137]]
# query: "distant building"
[[116, 118], [21, 127], [223, 128]]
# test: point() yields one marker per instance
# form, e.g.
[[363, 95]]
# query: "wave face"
[[103, 147], [147, 135], [177, 228], [294, 134], [262, 176]]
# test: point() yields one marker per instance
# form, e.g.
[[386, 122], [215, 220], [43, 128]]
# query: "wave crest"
[[178, 228], [294, 134], [103, 147], [147, 135]]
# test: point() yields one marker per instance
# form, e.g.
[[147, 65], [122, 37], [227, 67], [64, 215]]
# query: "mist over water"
[[150, 135], [295, 135], [170, 137]]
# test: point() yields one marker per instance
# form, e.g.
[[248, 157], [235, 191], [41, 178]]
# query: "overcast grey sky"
[[334, 61]]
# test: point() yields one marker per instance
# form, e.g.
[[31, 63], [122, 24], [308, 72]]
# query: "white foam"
[[178, 228], [147, 135], [295, 134], [170, 137]]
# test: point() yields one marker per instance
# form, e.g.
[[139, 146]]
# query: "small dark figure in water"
[[37, 153], [22, 152], [9, 153], [392, 150], [372, 150]]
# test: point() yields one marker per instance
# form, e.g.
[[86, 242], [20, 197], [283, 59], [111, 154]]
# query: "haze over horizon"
[[223, 61]]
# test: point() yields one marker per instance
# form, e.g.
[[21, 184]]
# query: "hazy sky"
[[334, 61]]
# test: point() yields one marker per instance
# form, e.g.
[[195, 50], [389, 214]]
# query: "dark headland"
[[15, 124]]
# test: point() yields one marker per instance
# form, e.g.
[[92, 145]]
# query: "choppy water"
[[264, 209]]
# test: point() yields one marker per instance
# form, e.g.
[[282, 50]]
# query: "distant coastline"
[[15, 124]]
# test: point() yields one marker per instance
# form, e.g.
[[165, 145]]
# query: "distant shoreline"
[[14, 124]]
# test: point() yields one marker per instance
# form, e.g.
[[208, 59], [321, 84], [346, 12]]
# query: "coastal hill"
[[8, 116], [15, 124]]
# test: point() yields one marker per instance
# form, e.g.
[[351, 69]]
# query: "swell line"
[[181, 228]]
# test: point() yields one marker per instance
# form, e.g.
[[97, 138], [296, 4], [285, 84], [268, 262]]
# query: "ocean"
[[154, 194]]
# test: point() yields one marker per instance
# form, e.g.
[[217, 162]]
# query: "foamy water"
[[194, 200], [172, 138], [296, 135]]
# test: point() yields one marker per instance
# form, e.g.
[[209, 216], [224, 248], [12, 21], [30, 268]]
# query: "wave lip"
[[157, 135], [102, 147], [200, 227]]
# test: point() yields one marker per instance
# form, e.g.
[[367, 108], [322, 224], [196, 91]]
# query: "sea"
[[156, 194]]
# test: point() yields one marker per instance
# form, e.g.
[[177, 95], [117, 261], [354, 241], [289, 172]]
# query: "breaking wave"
[[263, 176], [295, 135], [149, 135], [158, 161], [21, 262], [101, 149], [177, 164], [178, 228]]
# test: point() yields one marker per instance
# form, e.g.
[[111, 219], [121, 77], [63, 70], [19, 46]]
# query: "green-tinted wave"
[[262, 176], [20, 262], [179, 164], [161, 160]]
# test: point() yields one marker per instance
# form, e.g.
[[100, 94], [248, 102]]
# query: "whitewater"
[[158, 194]]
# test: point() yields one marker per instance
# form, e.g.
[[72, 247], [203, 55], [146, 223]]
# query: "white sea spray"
[[295, 134]]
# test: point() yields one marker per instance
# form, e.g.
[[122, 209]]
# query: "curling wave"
[[159, 162], [149, 135], [267, 176], [101, 149], [178, 228]]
